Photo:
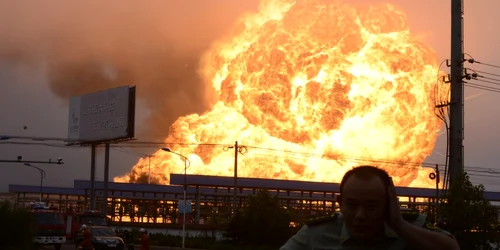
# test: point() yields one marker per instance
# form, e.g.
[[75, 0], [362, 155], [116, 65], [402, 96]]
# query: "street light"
[[42, 176], [186, 165]]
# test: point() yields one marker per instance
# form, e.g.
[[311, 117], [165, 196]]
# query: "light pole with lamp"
[[186, 165], [42, 176], [149, 167]]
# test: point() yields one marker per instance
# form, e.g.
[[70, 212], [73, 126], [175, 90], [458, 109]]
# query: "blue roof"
[[492, 196], [134, 187], [292, 194], [220, 181], [46, 190]]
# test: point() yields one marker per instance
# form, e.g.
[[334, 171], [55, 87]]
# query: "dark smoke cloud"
[[93, 45]]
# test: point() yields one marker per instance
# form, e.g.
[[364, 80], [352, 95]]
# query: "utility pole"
[[456, 157], [92, 176], [235, 194], [238, 149], [106, 180], [437, 192], [149, 168]]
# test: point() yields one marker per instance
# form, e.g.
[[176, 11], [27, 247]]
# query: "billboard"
[[102, 116]]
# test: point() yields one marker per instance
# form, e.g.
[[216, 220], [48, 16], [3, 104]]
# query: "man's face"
[[363, 205]]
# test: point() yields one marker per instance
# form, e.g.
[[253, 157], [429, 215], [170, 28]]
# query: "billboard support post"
[[106, 180], [92, 177], [102, 117]]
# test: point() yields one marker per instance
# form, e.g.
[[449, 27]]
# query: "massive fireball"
[[312, 88]]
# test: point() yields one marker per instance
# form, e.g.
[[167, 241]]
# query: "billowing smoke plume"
[[93, 45]]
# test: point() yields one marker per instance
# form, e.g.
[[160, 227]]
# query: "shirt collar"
[[388, 232]]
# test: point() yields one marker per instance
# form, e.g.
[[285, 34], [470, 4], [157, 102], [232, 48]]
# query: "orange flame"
[[312, 88]]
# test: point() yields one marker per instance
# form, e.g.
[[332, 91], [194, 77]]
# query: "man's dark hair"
[[366, 172]]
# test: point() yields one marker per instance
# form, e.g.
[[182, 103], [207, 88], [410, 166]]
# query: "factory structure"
[[209, 199]]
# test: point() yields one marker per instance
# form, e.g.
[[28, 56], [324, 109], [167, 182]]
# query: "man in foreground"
[[370, 218]]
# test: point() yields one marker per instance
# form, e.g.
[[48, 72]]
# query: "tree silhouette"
[[471, 218], [17, 230], [262, 222]]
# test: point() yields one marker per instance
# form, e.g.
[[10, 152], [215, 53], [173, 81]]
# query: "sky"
[[44, 46]]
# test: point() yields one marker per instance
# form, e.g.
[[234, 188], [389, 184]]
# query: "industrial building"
[[210, 198]]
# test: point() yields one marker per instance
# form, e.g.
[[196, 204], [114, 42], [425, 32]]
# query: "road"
[[72, 247]]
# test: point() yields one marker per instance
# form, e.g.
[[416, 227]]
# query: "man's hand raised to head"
[[418, 238], [395, 219]]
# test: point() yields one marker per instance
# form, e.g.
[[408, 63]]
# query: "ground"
[[72, 247]]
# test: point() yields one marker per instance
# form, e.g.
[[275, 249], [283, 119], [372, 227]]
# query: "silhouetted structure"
[[210, 196]]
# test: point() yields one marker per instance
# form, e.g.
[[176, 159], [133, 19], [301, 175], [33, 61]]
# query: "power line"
[[481, 87], [472, 171], [484, 72], [486, 81], [120, 148], [482, 79], [9, 138], [487, 64], [471, 60], [489, 79], [141, 144], [123, 150], [415, 165], [173, 143]]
